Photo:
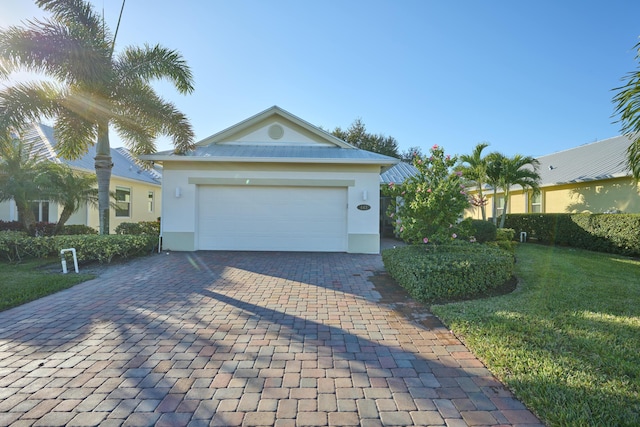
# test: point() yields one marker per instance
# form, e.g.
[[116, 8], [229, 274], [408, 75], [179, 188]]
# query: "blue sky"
[[529, 77]]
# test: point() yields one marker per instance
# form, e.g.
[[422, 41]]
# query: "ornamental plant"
[[427, 206]]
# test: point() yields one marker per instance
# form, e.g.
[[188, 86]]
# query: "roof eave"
[[219, 159]]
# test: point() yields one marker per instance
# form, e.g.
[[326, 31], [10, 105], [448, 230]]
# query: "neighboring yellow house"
[[591, 178], [137, 191]]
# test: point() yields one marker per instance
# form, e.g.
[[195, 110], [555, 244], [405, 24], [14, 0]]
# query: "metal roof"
[[44, 143], [398, 173], [271, 152], [604, 159]]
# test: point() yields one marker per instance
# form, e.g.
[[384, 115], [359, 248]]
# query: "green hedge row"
[[447, 272], [613, 233], [15, 246]]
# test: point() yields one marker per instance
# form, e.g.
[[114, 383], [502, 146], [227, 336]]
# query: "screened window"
[[40, 211], [536, 203], [499, 206], [123, 202]]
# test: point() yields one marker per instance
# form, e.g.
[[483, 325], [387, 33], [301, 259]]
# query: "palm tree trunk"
[[25, 214], [64, 217], [483, 207], [494, 206], [103, 165], [504, 209]]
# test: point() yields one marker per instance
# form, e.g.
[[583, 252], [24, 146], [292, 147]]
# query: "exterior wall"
[[139, 208], [179, 214], [620, 194]]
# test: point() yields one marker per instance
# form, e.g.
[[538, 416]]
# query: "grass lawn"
[[28, 281], [567, 341]]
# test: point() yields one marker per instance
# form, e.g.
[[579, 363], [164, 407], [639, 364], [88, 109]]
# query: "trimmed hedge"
[[47, 228], [612, 233], [15, 246], [448, 272], [483, 231], [137, 228]]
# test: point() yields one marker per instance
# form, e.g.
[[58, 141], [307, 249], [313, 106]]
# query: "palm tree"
[[518, 170], [474, 168], [94, 88], [627, 105], [59, 183], [494, 172], [19, 170]]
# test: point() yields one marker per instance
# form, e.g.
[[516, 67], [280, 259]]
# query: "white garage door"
[[272, 218]]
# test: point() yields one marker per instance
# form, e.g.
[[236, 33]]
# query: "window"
[[499, 206], [123, 202], [40, 211], [536, 203], [150, 201]]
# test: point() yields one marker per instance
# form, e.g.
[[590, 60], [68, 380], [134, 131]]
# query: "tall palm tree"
[[474, 168], [627, 105], [518, 170], [71, 190], [19, 170], [494, 172], [93, 90]]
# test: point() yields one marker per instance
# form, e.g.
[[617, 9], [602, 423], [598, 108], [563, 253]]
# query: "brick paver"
[[237, 338]]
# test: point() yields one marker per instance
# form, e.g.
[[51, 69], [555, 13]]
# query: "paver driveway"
[[219, 338]]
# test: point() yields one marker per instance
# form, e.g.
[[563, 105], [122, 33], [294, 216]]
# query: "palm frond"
[[144, 115], [28, 102], [74, 135], [77, 12], [157, 62], [62, 52]]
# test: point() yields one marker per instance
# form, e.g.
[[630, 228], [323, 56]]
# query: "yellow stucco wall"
[[595, 197], [139, 205]]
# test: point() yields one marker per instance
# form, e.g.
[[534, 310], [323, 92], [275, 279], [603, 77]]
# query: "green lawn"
[[28, 281], [567, 341]]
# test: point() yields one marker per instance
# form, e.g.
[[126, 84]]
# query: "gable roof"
[[294, 141], [604, 159], [398, 173], [124, 166]]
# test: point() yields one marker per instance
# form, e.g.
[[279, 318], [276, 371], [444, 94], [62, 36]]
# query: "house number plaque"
[[364, 207]]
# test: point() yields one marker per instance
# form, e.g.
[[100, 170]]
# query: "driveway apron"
[[242, 338]]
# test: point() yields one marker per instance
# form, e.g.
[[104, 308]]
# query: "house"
[[137, 190], [590, 178], [272, 182]]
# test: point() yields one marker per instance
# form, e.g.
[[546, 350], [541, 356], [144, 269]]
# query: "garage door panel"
[[272, 218]]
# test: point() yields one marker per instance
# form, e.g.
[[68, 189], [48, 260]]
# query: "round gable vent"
[[276, 131]]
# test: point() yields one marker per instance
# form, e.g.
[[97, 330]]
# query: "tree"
[[408, 155], [19, 171], [474, 168], [428, 205], [517, 170], [94, 88], [71, 190], [358, 136], [494, 172], [627, 105]]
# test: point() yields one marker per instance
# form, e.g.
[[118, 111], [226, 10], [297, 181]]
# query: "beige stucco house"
[[272, 182], [137, 190], [590, 178]]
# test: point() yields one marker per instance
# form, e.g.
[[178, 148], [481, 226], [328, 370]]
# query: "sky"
[[529, 76]]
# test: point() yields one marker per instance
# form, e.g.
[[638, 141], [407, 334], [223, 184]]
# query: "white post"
[[64, 261]]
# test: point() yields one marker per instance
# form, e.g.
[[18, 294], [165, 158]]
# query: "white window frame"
[[121, 203], [151, 200], [536, 203]]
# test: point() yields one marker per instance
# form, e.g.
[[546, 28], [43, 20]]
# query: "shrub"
[[483, 231], [613, 233], [77, 230], [15, 246], [446, 272], [10, 226], [137, 228], [43, 229], [505, 234], [432, 200]]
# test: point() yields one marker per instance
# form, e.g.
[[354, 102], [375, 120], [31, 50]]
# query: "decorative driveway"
[[237, 338]]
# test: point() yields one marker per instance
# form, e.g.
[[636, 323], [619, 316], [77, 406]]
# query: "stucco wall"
[[595, 197]]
